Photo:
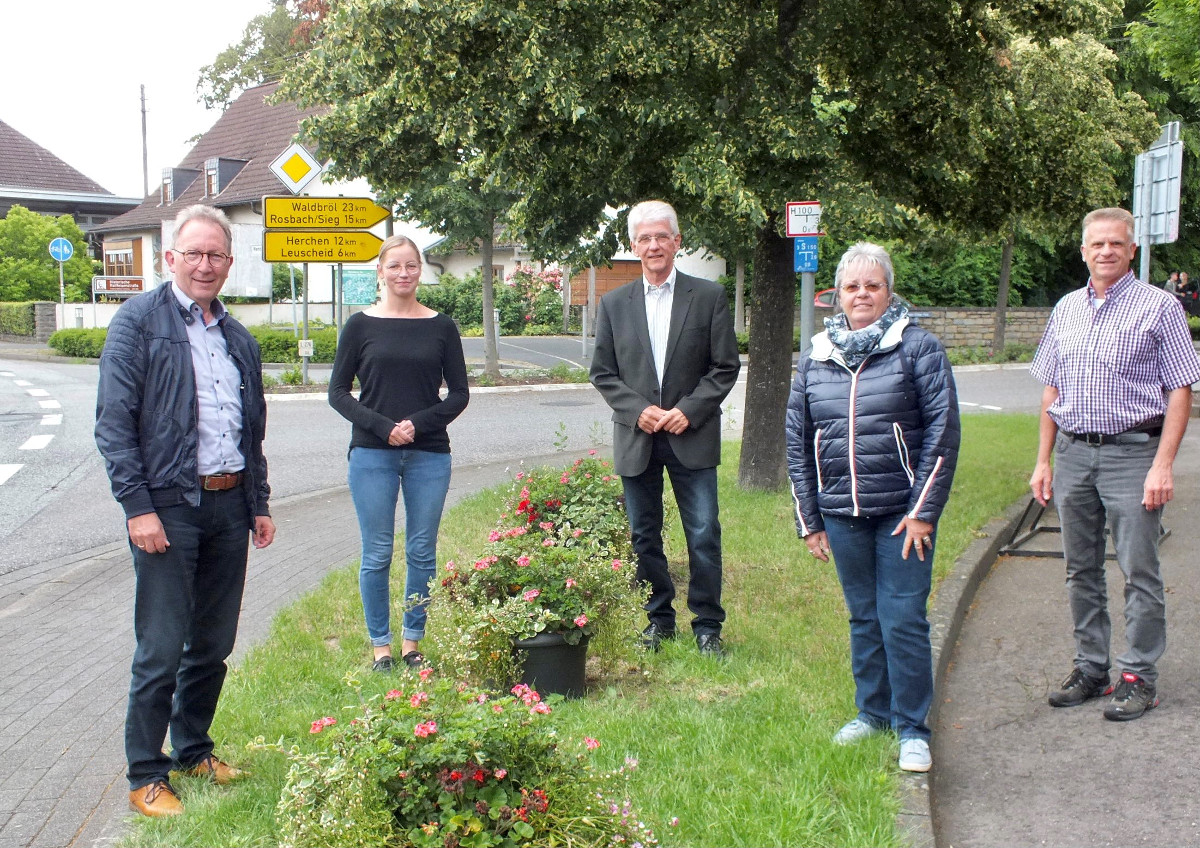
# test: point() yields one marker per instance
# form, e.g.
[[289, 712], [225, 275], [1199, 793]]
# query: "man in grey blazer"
[[665, 359]]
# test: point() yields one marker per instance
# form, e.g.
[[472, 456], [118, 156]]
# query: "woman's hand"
[[918, 536], [402, 434], [818, 545]]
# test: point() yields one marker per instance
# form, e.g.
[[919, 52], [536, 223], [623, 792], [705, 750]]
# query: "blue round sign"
[[61, 249]]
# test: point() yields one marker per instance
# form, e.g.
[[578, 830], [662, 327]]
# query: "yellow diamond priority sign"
[[295, 167]]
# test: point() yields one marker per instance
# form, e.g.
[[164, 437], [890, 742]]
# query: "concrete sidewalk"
[[67, 631], [1009, 770]]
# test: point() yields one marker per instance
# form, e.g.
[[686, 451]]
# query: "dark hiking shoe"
[[1133, 697], [1077, 688]]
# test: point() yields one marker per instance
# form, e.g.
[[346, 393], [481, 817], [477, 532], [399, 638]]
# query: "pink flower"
[[424, 673], [547, 543], [497, 709], [531, 594], [571, 584], [500, 773], [521, 476], [540, 707], [592, 452], [393, 695], [494, 536], [563, 479], [578, 532], [481, 564], [425, 728], [418, 698], [322, 723], [616, 565], [674, 821], [547, 525], [522, 560], [580, 620], [592, 744]]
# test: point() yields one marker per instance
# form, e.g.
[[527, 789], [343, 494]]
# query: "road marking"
[[7, 374], [992, 408], [49, 404], [37, 393], [22, 383], [7, 471], [37, 442], [51, 420]]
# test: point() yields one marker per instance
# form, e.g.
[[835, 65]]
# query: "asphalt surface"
[[1008, 769]]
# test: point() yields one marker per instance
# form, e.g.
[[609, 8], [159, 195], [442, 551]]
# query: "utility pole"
[[145, 158]]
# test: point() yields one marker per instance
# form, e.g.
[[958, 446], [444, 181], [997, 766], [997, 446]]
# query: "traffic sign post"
[[803, 224], [61, 250]]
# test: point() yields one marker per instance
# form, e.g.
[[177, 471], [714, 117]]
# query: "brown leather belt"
[[220, 482]]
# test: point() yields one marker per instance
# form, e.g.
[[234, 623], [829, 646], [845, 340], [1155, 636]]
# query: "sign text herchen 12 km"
[[320, 229]]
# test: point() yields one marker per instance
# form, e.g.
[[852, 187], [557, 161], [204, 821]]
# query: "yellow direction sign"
[[328, 213], [318, 246]]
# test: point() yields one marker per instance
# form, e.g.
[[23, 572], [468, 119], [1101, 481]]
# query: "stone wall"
[[971, 326]]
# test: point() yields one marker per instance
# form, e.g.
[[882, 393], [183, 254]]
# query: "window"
[[118, 261]]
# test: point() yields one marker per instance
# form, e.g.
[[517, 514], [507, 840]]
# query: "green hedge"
[[86, 344], [17, 319], [280, 345]]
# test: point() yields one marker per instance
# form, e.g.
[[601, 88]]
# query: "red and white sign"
[[804, 218], [120, 286]]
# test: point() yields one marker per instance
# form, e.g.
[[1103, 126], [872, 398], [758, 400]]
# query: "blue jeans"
[[376, 478], [185, 616], [696, 496], [890, 652]]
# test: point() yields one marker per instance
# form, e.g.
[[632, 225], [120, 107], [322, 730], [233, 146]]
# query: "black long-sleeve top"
[[401, 364]]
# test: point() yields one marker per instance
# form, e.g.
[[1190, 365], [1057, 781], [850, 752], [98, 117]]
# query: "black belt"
[[1150, 429]]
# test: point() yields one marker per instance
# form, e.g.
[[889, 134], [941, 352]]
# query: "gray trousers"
[[1094, 484]]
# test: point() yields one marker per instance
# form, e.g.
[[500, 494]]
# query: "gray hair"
[[1110, 213], [652, 210], [866, 253], [200, 212]]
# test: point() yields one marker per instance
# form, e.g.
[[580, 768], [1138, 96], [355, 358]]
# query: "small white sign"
[[306, 348], [804, 218], [295, 167]]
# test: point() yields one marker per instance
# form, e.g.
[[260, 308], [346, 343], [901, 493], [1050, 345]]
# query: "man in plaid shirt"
[[1118, 363]]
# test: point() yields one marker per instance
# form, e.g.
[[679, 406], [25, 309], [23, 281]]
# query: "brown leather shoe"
[[155, 799], [218, 772]]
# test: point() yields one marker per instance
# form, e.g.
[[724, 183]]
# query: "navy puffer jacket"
[[878, 440]]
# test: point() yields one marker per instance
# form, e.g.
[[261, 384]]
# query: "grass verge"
[[736, 751]]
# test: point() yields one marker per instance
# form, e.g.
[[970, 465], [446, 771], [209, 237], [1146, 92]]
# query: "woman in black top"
[[401, 352]]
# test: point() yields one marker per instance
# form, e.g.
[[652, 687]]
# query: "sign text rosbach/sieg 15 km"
[[320, 229]]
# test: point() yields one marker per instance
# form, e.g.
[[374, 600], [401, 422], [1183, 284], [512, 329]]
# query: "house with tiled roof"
[[228, 168], [33, 177]]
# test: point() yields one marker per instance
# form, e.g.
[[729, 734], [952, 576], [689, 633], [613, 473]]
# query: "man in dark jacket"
[[665, 359], [180, 420]]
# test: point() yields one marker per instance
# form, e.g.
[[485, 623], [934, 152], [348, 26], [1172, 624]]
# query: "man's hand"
[[673, 421], [1042, 483], [147, 533], [264, 531], [648, 421], [1158, 488]]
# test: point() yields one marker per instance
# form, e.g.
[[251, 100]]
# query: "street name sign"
[[319, 246], [321, 213]]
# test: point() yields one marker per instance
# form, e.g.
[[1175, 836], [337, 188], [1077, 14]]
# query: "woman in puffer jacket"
[[872, 442]]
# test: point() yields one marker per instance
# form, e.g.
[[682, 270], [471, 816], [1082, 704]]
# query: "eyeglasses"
[[855, 288], [408, 267], [193, 257], [643, 241]]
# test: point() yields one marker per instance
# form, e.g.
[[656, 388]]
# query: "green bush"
[[86, 343], [281, 345], [17, 319]]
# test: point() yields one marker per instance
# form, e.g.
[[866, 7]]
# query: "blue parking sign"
[[806, 254]]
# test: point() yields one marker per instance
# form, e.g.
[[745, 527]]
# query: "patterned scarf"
[[857, 345]]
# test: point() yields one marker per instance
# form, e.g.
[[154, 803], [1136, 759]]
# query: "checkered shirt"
[[1114, 366]]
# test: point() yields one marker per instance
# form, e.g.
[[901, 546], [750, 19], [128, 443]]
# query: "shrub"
[[18, 319], [443, 766], [83, 343], [281, 346]]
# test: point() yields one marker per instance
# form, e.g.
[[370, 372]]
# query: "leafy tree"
[[1170, 36], [28, 271], [270, 44]]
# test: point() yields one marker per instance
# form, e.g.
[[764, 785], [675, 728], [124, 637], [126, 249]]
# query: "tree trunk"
[[763, 464], [491, 355], [1006, 255], [739, 297]]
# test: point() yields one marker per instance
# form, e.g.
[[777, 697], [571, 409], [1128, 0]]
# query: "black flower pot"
[[552, 666]]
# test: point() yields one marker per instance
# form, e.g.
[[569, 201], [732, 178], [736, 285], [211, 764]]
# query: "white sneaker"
[[855, 731], [915, 756]]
